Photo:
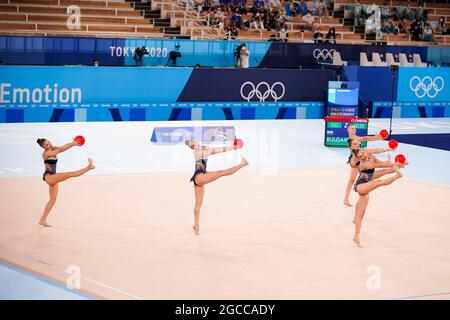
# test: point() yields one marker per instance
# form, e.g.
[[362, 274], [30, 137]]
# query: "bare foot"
[[397, 169], [244, 161], [348, 204], [45, 224], [196, 229], [356, 240], [91, 164]]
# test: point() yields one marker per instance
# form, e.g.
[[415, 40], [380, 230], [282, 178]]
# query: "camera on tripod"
[[237, 55], [237, 52], [174, 55], [139, 53]]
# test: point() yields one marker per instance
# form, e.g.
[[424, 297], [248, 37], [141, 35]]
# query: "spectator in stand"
[[245, 25], [427, 33], [232, 32], [236, 19], [291, 8], [308, 21], [441, 27], [275, 21], [270, 21], [321, 8], [217, 18], [385, 11], [404, 26], [421, 14], [95, 63], [302, 8], [281, 20], [396, 24], [369, 27], [416, 30], [400, 12], [257, 5], [331, 36], [284, 14], [408, 13], [389, 27], [318, 36], [283, 35], [257, 23], [263, 14], [360, 14]]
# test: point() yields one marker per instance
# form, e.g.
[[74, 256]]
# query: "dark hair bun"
[[40, 141]]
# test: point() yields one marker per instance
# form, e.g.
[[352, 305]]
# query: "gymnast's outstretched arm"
[[57, 150]]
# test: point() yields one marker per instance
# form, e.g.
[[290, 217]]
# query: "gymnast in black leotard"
[[202, 177], [50, 166], [368, 181], [200, 167], [364, 175], [354, 145], [354, 142], [51, 177]]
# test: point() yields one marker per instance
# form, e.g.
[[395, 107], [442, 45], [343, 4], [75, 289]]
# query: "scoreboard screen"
[[343, 98], [336, 134]]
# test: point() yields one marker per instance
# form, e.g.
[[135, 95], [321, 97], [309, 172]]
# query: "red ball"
[[384, 133], [80, 140], [238, 143], [393, 144], [400, 158]]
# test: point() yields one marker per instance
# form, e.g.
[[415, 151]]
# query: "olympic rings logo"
[[323, 54], [426, 86], [262, 91]]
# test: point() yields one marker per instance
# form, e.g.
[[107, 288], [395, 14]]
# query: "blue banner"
[[38, 50], [66, 94], [81, 85], [31, 50], [162, 112], [259, 85], [411, 109], [423, 84]]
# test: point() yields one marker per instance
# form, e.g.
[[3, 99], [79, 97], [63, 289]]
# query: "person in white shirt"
[[283, 35], [243, 57], [308, 20], [321, 8], [257, 22]]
